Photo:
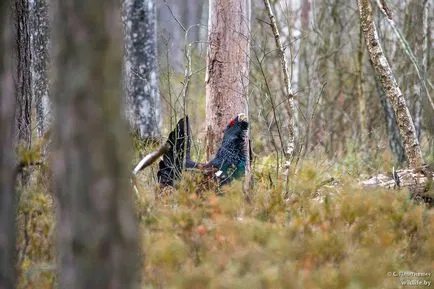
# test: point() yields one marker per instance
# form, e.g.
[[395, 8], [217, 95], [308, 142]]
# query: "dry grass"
[[299, 235]]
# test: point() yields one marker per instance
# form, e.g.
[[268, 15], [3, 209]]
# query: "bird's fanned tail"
[[172, 164]]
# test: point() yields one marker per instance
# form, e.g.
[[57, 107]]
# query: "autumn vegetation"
[[316, 233], [334, 96]]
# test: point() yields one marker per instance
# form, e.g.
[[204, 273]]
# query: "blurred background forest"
[[88, 88], [340, 107]]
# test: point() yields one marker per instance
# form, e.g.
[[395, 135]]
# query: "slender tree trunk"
[[23, 79], [97, 230], [7, 158], [303, 69], [40, 60], [420, 14], [390, 86], [227, 67], [141, 68], [360, 94], [415, 85], [287, 82]]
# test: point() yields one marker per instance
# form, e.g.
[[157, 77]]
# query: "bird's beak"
[[242, 117]]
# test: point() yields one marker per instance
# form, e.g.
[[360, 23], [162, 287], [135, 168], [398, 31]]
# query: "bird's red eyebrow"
[[232, 123]]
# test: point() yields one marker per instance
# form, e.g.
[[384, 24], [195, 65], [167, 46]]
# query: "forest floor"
[[309, 233]]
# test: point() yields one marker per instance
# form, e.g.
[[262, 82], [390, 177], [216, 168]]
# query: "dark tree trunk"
[[141, 68], [23, 78], [393, 135], [97, 229], [40, 31], [7, 158]]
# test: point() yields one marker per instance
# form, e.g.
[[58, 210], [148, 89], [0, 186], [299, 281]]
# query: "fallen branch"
[[417, 181], [151, 158]]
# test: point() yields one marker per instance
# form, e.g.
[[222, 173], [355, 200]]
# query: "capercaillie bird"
[[228, 164]]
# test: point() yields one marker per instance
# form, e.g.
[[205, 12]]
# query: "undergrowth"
[[319, 230]]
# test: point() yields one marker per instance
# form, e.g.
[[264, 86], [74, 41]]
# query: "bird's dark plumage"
[[172, 164], [228, 163], [231, 156]]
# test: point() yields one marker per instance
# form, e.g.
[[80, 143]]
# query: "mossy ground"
[[300, 234]]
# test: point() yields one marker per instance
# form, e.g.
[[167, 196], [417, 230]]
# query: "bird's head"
[[240, 120]]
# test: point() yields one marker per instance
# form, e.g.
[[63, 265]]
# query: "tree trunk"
[[7, 158], [393, 136], [419, 14], [360, 94], [390, 86], [227, 67], [40, 60], [303, 69], [141, 68], [97, 230], [23, 79]]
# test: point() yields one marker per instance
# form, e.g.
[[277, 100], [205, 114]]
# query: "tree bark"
[[97, 230], [390, 86], [362, 99], [7, 158], [40, 31], [141, 68], [227, 67], [419, 15], [23, 79]]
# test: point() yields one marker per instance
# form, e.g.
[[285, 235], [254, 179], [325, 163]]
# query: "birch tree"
[[40, 32], [97, 230], [287, 82], [7, 161], [141, 68], [227, 66], [390, 86]]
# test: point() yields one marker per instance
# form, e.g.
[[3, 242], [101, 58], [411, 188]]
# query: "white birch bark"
[[390, 86], [287, 82], [141, 68], [40, 34]]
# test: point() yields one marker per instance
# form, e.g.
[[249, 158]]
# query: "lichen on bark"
[[141, 68]]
